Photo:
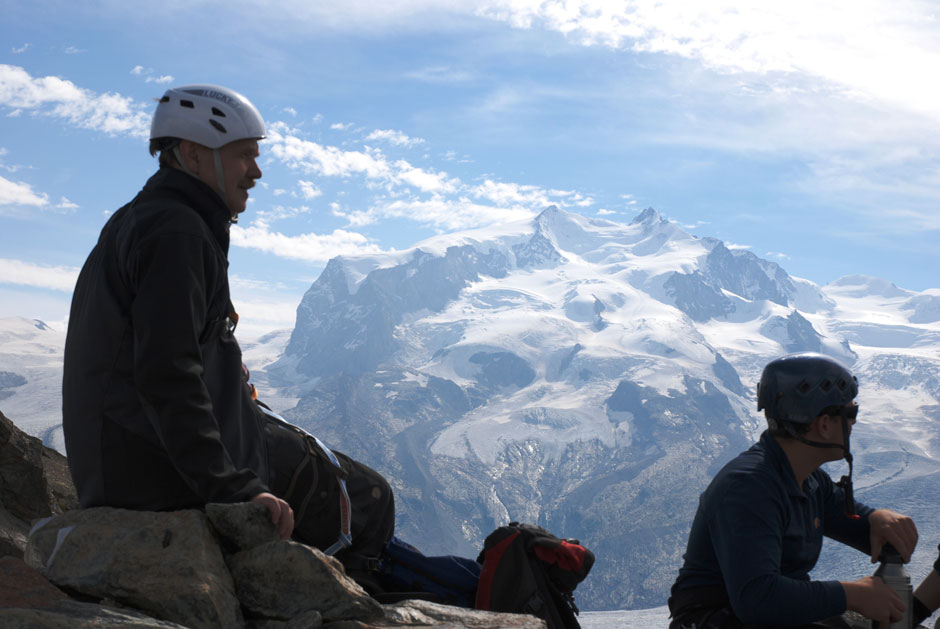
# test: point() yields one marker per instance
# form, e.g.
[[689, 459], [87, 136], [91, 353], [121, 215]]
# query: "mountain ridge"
[[582, 373], [587, 375]]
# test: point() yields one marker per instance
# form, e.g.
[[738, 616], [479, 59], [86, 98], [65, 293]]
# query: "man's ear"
[[825, 424], [190, 152]]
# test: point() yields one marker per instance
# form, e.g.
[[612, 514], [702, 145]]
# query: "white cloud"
[[291, 111], [40, 276], [110, 113], [237, 282], [10, 168], [279, 212], [512, 194], [736, 247], [258, 317], [331, 161], [21, 49], [309, 190], [307, 247], [777, 255], [148, 73], [341, 126], [440, 212], [73, 50], [441, 74], [605, 212], [394, 137], [582, 201], [65, 204], [20, 193], [424, 180], [874, 49], [324, 160]]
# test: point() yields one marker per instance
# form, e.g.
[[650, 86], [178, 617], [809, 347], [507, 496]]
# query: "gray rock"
[[22, 586], [13, 533], [306, 620], [34, 479], [283, 579], [244, 525], [70, 614], [166, 564], [417, 613]]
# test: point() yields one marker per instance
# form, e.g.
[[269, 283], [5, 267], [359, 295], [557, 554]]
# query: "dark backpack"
[[528, 570], [405, 572]]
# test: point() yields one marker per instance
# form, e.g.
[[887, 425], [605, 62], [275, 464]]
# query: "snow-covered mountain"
[[591, 376], [583, 374], [31, 354]]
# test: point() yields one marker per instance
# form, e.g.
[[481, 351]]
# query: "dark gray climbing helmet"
[[796, 388]]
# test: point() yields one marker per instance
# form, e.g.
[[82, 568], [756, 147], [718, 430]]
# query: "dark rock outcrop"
[[34, 483]]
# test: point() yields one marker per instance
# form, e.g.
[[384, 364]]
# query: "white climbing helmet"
[[210, 115]]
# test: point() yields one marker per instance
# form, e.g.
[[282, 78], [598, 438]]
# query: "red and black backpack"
[[528, 570]]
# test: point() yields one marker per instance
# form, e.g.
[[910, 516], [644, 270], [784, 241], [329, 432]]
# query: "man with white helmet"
[[157, 413], [154, 412], [759, 526]]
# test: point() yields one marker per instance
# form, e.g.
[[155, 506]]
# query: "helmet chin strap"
[[219, 174], [845, 483], [220, 181]]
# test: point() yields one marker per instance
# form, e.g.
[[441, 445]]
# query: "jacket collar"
[[779, 458], [193, 193]]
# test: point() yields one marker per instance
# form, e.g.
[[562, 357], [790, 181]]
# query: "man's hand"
[[892, 528], [281, 513], [873, 599]]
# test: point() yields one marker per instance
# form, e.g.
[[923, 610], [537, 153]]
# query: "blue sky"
[[806, 132]]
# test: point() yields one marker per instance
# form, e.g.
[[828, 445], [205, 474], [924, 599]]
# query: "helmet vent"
[[841, 384], [826, 384], [165, 99], [187, 103], [218, 112], [803, 387], [218, 126]]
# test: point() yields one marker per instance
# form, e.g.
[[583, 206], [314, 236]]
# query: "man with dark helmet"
[[758, 529], [157, 412]]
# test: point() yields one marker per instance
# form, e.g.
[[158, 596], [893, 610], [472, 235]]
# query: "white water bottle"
[[894, 575]]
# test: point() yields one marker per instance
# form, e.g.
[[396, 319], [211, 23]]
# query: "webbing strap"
[[345, 508]]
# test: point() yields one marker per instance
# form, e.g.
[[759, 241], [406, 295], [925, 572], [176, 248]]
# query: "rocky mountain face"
[[34, 483], [591, 377]]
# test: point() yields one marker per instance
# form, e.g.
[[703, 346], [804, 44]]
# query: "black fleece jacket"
[[156, 412]]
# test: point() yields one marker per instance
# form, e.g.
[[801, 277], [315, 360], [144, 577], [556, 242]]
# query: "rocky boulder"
[[63, 567]]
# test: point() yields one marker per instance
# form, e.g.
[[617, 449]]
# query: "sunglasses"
[[851, 412]]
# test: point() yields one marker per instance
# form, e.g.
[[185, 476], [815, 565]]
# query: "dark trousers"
[[373, 509], [303, 475], [709, 608]]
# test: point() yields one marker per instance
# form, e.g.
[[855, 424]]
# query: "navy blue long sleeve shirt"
[[758, 534]]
